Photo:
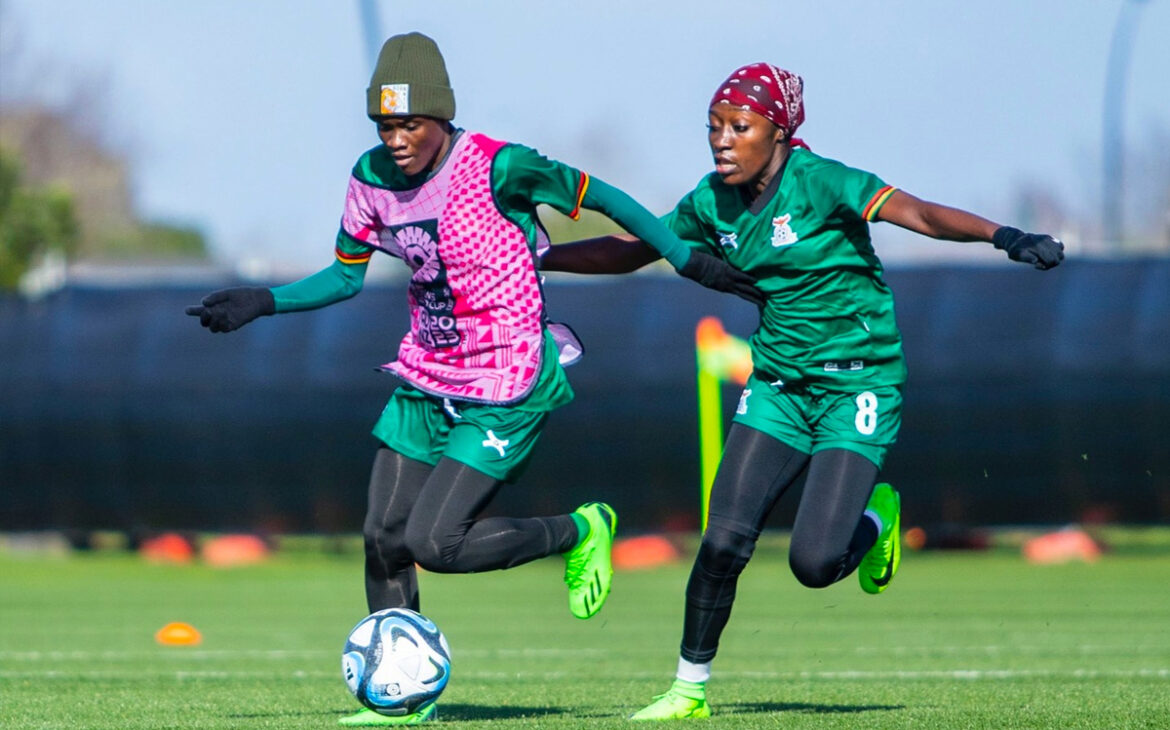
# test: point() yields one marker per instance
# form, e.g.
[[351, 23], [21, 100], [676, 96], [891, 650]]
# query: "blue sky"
[[244, 118]]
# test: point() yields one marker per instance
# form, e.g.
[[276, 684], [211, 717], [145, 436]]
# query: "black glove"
[[1037, 249], [715, 273], [230, 309]]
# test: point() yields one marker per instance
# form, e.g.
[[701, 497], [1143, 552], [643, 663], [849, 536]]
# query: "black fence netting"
[[1033, 397]]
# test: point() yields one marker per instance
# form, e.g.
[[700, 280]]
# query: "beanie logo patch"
[[395, 99]]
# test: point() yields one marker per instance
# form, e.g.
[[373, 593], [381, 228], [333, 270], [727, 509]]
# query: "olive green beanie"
[[410, 78]]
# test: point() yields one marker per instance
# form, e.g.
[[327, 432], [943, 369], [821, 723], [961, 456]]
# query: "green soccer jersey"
[[829, 316]]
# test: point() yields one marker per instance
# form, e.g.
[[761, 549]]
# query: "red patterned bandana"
[[773, 93]]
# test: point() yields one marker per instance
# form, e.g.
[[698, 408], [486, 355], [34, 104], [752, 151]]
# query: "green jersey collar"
[[377, 168], [755, 207]]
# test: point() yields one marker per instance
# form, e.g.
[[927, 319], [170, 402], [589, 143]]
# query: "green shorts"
[[496, 440], [812, 419]]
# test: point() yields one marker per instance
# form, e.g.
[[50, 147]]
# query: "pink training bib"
[[476, 308]]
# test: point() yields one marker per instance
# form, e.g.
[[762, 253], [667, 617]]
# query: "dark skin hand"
[[749, 151]]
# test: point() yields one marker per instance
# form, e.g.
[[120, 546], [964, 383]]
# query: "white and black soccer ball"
[[396, 661]]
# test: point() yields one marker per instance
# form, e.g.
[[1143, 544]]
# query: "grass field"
[[961, 640]]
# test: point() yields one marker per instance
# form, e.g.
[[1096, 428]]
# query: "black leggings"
[[427, 515], [828, 540]]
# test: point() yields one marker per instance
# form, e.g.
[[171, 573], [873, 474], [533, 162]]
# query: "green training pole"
[[710, 435], [719, 357]]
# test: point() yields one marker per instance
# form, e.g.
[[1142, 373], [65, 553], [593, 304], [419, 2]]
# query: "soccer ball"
[[396, 661]]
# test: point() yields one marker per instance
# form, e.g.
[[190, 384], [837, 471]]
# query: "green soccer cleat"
[[684, 700], [880, 564], [588, 568], [369, 718]]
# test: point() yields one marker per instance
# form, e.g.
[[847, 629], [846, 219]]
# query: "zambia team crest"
[[782, 233]]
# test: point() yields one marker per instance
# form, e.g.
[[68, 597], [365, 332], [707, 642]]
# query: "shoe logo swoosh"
[[888, 573]]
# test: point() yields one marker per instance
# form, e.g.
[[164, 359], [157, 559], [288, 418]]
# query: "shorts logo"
[[782, 233], [494, 442], [741, 409], [727, 240], [451, 410], [395, 99]]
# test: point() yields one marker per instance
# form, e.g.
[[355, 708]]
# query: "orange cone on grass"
[[178, 633]]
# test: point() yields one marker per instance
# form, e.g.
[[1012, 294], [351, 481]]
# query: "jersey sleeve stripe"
[[582, 187], [877, 201], [351, 258]]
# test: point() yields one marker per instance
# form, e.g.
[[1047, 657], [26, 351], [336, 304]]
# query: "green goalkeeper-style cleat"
[[880, 564], [684, 700], [369, 718], [588, 568]]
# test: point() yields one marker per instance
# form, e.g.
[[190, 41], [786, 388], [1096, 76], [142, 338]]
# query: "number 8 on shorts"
[[867, 415]]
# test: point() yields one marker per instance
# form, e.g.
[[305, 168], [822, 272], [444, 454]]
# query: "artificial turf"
[[960, 640]]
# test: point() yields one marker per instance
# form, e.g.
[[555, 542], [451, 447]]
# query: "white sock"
[[876, 520], [691, 672]]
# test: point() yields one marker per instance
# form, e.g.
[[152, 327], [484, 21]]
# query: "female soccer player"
[[825, 394], [480, 364]]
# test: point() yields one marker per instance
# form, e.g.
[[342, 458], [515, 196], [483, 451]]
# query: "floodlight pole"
[[1113, 131], [371, 28]]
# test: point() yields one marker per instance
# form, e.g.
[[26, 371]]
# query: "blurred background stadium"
[[154, 152]]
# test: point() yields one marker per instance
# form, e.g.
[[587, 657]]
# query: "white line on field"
[[845, 675], [964, 674], [179, 653], [186, 653], [145, 675], [960, 674]]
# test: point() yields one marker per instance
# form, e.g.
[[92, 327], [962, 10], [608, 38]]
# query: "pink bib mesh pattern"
[[476, 309]]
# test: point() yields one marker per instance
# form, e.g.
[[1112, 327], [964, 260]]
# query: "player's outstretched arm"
[[230, 309], [710, 271], [616, 254], [953, 224], [621, 254]]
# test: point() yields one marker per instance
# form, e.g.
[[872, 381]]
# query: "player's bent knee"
[[724, 552], [813, 569], [371, 545], [433, 556], [383, 544], [429, 558], [387, 552], [435, 563]]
